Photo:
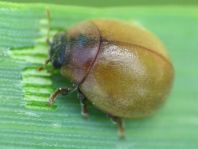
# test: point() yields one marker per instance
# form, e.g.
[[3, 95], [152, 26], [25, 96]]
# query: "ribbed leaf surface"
[[26, 121]]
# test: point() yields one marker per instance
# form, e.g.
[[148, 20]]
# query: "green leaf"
[[26, 121], [105, 3]]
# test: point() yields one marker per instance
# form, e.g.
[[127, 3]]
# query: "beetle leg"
[[59, 91], [44, 65], [84, 111], [119, 122]]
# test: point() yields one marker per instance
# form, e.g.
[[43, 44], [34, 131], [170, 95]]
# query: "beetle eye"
[[58, 59], [56, 64], [57, 50]]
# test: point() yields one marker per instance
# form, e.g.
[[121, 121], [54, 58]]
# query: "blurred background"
[[112, 3]]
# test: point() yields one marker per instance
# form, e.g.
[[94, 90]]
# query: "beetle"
[[121, 68]]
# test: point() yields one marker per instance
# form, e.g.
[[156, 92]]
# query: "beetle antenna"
[[49, 26], [48, 39]]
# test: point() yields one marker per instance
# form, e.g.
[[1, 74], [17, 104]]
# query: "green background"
[[106, 3], [27, 122]]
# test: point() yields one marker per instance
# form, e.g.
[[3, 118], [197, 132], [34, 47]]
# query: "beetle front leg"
[[59, 91], [82, 98], [120, 125]]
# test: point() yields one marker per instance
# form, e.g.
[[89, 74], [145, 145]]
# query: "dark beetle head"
[[58, 50]]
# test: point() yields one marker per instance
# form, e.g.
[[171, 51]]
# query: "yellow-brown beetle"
[[121, 68]]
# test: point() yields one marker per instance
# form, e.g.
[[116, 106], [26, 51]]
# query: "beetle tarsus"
[[120, 125], [59, 91], [82, 98]]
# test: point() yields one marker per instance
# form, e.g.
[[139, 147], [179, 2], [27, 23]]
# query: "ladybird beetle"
[[121, 68]]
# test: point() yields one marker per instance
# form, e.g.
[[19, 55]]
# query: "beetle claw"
[[84, 114], [121, 132], [119, 122], [50, 102]]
